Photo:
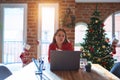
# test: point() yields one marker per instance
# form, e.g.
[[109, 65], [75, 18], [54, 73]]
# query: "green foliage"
[[96, 47]]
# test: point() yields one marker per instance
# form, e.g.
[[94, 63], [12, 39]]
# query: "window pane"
[[48, 23], [80, 31], [13, 23], [117, 26], [108, 27], [13, 34]]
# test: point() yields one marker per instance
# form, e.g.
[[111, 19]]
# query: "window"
[[14, 31], [80, 31], [112, 24], [48, 23]]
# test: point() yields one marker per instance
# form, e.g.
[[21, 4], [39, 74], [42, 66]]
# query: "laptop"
[[64, 60]]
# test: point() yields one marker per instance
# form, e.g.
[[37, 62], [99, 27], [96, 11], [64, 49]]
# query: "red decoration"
[[104, 63], [114, 50], [111, 54], [114, 43], [25, 57], [102, 25], [91, 30], [107, 40], [91, 49]]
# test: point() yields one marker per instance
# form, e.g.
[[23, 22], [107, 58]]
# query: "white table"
[[27, 73]]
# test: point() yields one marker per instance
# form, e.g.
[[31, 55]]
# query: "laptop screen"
[[64, 60]]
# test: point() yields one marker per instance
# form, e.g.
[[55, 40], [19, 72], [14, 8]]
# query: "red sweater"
[[65, 46]]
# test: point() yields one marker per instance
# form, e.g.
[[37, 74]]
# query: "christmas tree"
[[96, 46]]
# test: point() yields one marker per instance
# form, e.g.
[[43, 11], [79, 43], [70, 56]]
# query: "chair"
[[116, 69], [4, 72]]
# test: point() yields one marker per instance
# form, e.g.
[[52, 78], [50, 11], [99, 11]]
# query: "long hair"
[[54, 40]]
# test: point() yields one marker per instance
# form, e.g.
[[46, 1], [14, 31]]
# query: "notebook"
[[64, 60]]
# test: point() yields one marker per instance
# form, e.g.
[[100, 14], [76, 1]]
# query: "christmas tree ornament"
[[89, 54], [99, 59], [99, 48], [81, 49], [102, 25], [104, 64], [84, 54], [91, 49], [91, 30], [103, 46], [96, 21]]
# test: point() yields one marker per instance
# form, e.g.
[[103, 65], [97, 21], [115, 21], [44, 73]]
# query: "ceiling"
[[94, 1]]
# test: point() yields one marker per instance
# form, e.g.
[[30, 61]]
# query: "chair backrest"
[[116, 69], [4, 72]]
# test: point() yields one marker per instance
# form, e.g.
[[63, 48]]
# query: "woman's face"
[[60, 37]]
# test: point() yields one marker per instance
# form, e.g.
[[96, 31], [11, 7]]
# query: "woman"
[[60, 42]]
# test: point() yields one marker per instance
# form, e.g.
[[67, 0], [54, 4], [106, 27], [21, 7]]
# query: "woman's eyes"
[[61, 35]]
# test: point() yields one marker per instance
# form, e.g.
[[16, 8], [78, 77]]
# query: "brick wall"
[[83, 12]]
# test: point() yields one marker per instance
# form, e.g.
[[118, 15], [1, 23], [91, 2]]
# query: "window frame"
[[12, 5]]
